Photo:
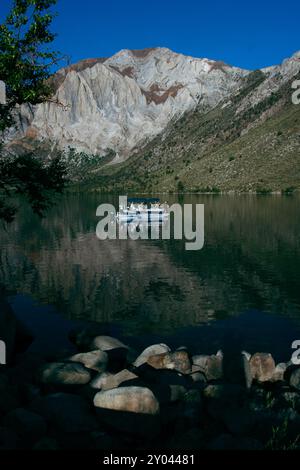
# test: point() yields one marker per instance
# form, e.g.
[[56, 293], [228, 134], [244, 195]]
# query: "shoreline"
[[107, 395]]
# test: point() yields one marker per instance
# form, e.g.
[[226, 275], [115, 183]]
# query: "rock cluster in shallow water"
[[108, 396]]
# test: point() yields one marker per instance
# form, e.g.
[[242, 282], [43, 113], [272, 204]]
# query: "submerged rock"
[[130, 399], [96, 360], [64, 373], [154, 349]]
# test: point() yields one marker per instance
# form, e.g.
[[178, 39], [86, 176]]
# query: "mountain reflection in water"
[[250, 261]]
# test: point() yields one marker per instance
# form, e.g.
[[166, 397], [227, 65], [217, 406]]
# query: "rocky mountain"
[[171, 122], [124, 101], [248, 142]]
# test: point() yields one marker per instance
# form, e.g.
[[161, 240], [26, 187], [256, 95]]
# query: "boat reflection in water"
[[143, 229]]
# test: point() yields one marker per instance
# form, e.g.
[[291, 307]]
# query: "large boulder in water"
[[132, 410], [130, 399]]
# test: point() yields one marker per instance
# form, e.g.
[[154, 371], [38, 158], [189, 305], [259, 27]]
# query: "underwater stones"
[[64, 373]]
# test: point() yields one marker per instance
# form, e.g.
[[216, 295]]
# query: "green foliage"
[[25, 62], [25, 59], [263, 191], [289, 190], [27, 175], [280, 438]]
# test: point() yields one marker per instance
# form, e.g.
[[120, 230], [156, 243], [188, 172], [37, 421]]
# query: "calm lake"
[[240, 291]]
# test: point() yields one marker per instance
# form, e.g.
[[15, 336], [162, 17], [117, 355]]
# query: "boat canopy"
[[145, 200]]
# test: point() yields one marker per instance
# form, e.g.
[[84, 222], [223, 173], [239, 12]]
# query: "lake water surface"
[[241, 290]]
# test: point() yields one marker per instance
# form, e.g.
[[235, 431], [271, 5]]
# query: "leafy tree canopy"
[[25, 65]]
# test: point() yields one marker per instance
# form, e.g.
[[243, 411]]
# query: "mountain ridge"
[[137, 103]]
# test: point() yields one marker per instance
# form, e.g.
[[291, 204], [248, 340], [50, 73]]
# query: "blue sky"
[[249, 35]]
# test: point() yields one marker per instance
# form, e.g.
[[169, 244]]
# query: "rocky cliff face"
[[123, 101]]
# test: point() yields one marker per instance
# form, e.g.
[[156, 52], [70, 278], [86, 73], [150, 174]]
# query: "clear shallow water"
[[242, 290]]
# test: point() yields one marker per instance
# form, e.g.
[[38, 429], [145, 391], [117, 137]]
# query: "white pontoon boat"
[[149, 209]]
